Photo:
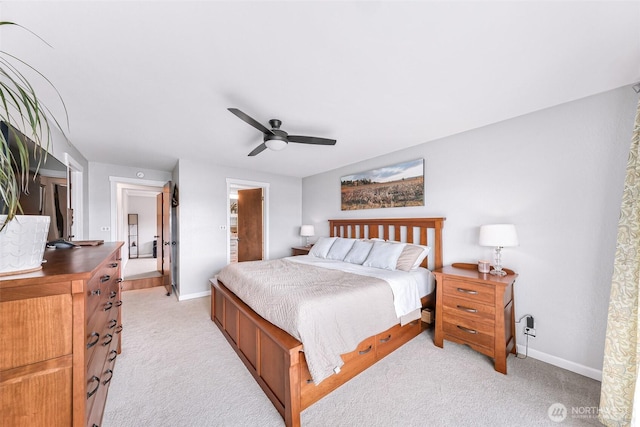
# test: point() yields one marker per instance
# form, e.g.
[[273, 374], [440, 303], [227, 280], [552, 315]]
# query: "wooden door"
[[250, 224]]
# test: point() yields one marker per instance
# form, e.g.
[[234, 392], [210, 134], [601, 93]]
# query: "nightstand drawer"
[[466, 332], [469, 309], [468, 290]]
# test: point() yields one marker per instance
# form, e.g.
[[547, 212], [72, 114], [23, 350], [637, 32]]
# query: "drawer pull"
[[107, 340], [115, 354], [467, 291], [120, 280], [112, 323], [105, 278], [113, 265], [112, 294], [110, 372], [95, 292], [119, 329], [118, 303], [94, 342], [107, 306], [386, 339], [309, 381], [467, 330], [92, 392], [367, 350], [467, 309]]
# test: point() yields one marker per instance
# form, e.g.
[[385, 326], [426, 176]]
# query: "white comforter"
[[329, 310], [407, 287]]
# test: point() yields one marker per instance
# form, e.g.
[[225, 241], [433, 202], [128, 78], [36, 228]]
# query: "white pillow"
[[358, 252], [384, 255], [340, 248], [321, 248], [412, 256]]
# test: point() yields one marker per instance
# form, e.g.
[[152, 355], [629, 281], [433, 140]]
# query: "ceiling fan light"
[[275, 144]]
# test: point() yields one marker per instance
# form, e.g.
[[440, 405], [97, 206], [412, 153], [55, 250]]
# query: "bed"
[[277, 359]]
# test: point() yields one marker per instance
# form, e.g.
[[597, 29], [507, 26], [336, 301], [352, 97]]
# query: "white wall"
[[558, 175], [202, 245], [100, 193]]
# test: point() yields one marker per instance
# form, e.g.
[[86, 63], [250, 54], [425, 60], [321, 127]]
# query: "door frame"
[[75, 195], [240, 184], [119, 186]]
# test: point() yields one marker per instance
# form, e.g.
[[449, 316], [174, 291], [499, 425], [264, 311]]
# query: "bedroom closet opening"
[[247, 221]]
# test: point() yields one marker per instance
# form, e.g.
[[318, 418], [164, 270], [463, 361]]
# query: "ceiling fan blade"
[[311, 140], [250, 120], [259, 149]]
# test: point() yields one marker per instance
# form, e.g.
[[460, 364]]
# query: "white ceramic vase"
[[22, 243]]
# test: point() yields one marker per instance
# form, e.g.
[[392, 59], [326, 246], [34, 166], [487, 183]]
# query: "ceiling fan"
[[275, 138]]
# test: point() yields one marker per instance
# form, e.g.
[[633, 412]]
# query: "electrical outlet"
[[530, 331], [105, 228]]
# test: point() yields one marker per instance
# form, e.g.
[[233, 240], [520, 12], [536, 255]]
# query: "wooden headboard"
[[421, 231]]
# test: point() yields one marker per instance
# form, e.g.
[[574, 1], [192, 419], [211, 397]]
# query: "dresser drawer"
[[469, 309], [468, 290]]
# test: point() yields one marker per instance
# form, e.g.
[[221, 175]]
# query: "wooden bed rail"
[[409, 230]]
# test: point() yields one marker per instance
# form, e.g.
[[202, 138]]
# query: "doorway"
[[151, 239], [247, 220]]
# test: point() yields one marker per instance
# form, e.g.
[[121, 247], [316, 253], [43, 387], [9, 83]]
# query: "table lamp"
[[499, 236], [307, 231]]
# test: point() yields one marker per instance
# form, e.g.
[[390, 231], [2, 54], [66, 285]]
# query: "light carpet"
[[176, 369]]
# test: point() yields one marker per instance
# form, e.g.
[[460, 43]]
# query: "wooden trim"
[[274, 350]]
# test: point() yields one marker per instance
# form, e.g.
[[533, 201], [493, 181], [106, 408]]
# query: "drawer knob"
[[467, 309], [467, 291], [105, 278], [118, 303], [107, 306], [367, 350], [112, 323], [95, 292], [467, 330], [113, 265], [119, 329], [95, 341], [115, 354], [97, 381], [386, 339], [112, 294]]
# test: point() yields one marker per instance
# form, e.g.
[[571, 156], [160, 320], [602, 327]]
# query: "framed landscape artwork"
[[393, 186]]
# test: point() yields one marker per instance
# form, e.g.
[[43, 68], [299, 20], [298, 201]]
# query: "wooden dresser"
[[476, 309], [60, 333]]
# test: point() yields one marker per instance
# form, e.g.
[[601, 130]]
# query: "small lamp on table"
[[307, 231], [499, 236]]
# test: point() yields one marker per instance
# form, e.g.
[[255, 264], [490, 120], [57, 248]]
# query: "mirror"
[[48, 193]]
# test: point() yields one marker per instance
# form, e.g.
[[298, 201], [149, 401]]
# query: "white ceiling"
[[148, 82]]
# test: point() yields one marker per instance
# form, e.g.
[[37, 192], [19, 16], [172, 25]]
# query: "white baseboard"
[[194, 295], [562, 363]]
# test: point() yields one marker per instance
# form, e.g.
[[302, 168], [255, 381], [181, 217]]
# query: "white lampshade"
[[498, 235], [276, 144], [307, 230]]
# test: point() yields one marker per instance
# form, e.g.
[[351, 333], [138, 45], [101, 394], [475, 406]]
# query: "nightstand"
[[300, 250], [476, 309]]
